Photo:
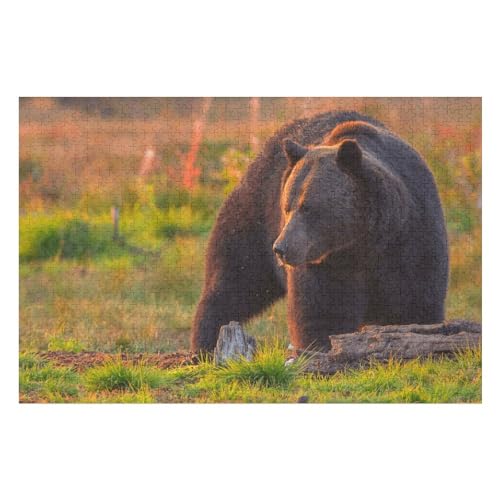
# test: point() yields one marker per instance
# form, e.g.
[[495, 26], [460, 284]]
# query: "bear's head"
[[321, 202]]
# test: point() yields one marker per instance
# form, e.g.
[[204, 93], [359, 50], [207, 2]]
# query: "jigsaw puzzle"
[[291, 225]]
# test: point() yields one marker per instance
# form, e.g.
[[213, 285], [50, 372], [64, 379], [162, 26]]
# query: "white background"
[[259, 48]]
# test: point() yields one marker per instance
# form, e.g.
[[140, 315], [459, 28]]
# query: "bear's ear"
[[294, 152], [349, 154]]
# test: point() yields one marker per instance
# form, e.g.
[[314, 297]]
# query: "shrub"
[[76, 240], [44, 236], [65, 345], [39, 242]]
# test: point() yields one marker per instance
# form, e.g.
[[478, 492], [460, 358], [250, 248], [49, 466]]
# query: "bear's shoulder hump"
[[351, 129]]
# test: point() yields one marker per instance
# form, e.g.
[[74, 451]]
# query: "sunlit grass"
[[43, 382], [142, 396], [65, 345], [464, 291], [148, 301], [264, 380], [119, 376], [267, 369], [425, 381]]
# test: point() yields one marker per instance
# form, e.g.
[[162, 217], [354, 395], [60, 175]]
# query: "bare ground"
[[84, 360]]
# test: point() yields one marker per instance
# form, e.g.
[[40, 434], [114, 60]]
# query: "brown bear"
[[343, 217]]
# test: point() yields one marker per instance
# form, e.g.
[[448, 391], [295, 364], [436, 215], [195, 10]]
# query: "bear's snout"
[[279, 250], [292, 246], [287, 255]]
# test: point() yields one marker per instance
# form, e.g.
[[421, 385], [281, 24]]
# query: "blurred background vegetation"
[[166, 164]]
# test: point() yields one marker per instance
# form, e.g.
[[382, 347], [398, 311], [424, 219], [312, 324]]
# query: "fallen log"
[[403, 342]]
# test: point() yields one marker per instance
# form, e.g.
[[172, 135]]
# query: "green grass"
[[264, 380], [142, 396], [40, 381], [419, 381], [63, 234], [118, 376], [65, 345], [268, 368], [144, 304]]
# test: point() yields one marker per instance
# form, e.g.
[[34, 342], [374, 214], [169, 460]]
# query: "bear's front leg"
[[322, 302]]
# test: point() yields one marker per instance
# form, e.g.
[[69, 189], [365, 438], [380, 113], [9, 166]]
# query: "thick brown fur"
[[340, 215], [352, 129]]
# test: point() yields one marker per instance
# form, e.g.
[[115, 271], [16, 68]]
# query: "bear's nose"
[[279, 250]]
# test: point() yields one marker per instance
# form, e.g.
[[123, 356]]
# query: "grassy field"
[[265, 380], [83, 290]]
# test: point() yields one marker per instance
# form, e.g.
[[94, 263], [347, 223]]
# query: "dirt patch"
[[84, 360]]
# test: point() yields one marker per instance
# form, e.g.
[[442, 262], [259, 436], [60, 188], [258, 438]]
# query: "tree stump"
[[233, 343], [403, 342]]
